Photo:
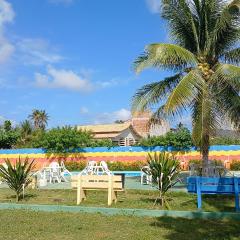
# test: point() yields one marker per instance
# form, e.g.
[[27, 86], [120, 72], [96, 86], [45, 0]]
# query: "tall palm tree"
[[39, 118], [205, 59]]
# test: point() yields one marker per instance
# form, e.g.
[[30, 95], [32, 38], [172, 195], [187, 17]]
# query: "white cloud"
[[6, 12], [84, 110], [66, 2], [153, 5], [37, 52], [109, 117], [61, 78], [6, 16]]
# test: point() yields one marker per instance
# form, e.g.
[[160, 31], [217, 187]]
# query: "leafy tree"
[[164, 170], [180, 139], [39, 118], [204, 59], [62, 140], [8, 139], [17, 176]]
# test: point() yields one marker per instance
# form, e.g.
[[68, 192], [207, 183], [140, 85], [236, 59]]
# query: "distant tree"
[[64, 139], [7, 125], [180, 139], [8, 139], [119, 121], [40, 118]]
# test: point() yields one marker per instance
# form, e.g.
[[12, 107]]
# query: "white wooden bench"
[[84, 183]]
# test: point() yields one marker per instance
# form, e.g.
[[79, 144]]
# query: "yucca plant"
[[204, 57], [164, 169], [18, 175]]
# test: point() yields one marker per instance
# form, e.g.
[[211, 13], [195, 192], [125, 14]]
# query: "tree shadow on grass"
[[220, 202], [183, 229]]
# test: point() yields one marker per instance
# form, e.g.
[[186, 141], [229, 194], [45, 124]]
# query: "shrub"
[[180, 140], [17, 176], [235, 165], [164, 169], [113, 166], [75, 165]]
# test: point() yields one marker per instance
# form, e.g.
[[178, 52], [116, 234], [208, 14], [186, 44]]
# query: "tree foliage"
[[66, 139], [180, 139]]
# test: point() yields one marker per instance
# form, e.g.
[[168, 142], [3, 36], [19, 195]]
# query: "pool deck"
[[130, 183]]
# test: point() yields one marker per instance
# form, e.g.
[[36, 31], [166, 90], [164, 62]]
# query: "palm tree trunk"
[[205, 154]]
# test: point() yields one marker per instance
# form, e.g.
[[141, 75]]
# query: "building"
[[129, 132]]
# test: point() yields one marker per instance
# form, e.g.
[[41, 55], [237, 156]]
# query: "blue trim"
[[118, 149]]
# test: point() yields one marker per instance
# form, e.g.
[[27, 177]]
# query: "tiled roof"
[[106, 128]]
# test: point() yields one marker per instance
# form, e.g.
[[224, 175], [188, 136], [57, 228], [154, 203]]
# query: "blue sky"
[[73, 58]]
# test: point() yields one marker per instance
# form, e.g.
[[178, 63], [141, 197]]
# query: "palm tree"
[[39, 118], [205, 58], [26, 129]]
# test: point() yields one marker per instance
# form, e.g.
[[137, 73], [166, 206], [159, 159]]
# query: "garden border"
[[121, 211]]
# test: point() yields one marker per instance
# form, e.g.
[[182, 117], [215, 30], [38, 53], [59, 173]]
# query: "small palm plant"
[[164, 169], [17, 176]]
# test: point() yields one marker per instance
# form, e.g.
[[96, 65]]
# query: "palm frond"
[[184, 93], [226, 31], [232, 56], [166, 56], [151, 94]]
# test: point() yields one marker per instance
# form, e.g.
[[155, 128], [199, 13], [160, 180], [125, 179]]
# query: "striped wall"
[[127, 154]]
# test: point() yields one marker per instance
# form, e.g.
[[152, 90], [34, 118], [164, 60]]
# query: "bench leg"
[[115, 196], [81, 195], [236, 190], [110, 197], [199, 196]]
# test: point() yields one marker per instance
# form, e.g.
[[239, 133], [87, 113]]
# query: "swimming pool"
[[127, 173]]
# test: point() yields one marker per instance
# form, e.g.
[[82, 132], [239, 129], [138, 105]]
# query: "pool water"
[[127, 173]]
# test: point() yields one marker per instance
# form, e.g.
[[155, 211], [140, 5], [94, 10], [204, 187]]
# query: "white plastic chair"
[[103, 169], [55, 172], [90, 169], [145, 178], [64, 171]]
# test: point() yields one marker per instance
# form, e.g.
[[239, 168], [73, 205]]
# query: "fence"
[[129, 154]]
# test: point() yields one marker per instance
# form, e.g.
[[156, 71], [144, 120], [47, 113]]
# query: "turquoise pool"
[[127, 173]]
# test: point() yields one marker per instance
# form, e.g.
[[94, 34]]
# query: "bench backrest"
[[214, 185], [97, 181]]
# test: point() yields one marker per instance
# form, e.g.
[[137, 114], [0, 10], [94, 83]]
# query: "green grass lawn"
[[128, 199], [30, 225]]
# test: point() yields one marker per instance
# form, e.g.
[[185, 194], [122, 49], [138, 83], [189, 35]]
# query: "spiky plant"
[[18, 175], [205, 59], [164, 169]]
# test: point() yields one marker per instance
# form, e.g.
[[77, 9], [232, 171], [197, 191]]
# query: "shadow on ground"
[[181, 228]]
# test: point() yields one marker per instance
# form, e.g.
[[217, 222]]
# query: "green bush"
[[235, 165], [180, 139], [225, 141], [113, 166], [75, 165]]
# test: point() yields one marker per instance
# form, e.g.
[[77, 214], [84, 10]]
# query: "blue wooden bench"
[[208, 185]]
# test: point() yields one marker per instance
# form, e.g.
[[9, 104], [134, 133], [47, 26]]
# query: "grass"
[[128, 199], [22, 225]]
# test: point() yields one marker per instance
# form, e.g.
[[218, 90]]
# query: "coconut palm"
[[204, 58], [39, 118]]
